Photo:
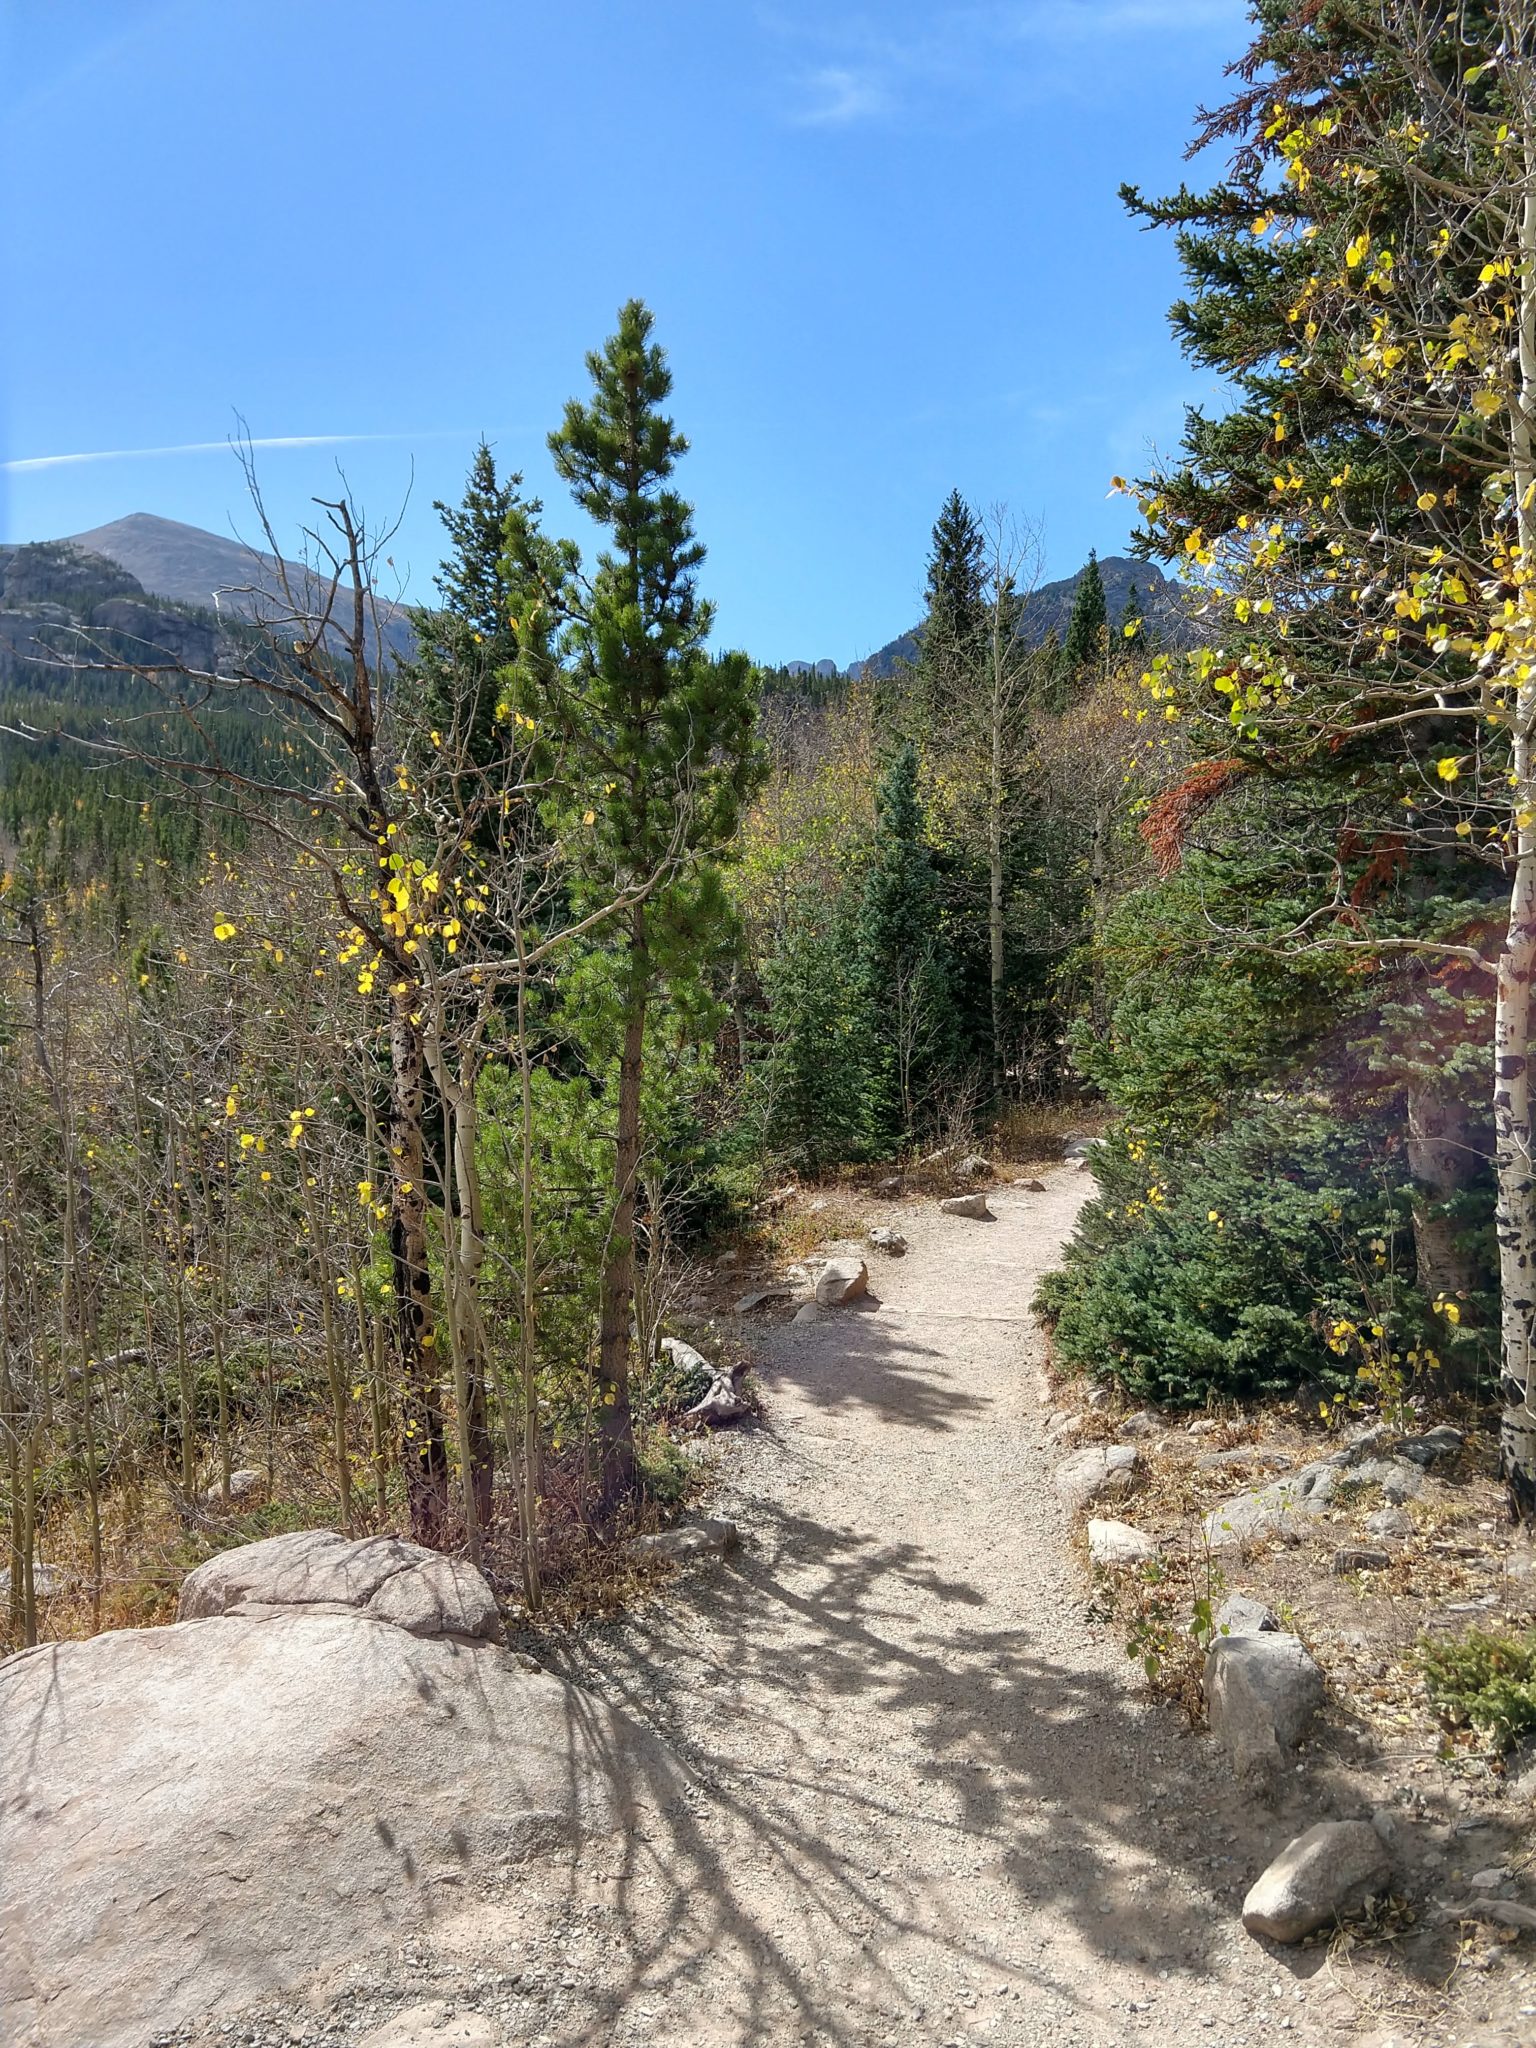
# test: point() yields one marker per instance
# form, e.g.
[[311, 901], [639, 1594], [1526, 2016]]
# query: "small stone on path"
[[974, 1206], [1331, 1869]]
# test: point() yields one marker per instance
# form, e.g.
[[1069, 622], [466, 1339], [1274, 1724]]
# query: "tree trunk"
[[995, 900], [1516, 1210], [426, 1455], [615, 1426]]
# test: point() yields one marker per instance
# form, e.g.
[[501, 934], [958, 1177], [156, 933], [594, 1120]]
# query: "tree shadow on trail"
[[802, 1851], [848, 1361]]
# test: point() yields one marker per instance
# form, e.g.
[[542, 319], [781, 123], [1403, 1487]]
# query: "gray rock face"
[[1119, 1543], [807, 1312], [1099, 1472], [241, 1484], [1246, 1458], [842, 1280], [47, 1581], [1443, 1442], [885, 1239], [1388, 1522], [383, 1577], [1239, 1615], [974, 1167], [974, 1206], [1261, 1692], [1398, 1478], [690, 1540], [1331, 1869], [195, 1817], [1280, 1509]]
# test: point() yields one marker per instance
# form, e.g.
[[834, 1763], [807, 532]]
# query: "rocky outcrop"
[[1330, 1870], [198, 1816], [1280, 1509]]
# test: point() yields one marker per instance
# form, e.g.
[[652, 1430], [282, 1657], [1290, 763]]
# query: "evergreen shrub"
[[1228, 1269]]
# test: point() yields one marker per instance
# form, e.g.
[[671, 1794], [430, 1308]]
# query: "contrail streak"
[[28, 462]]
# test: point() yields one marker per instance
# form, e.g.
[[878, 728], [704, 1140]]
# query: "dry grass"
[[1033, 1133]]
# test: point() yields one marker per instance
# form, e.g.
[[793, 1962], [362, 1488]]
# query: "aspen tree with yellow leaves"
[[1380, 603]]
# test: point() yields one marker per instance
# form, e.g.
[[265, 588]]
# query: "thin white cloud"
[[840, 95], [30, 462], [868, 67]]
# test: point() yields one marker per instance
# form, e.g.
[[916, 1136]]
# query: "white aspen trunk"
[[1516, 1212]]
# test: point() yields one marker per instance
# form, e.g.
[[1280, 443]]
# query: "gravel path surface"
[[931, 1804], [934, 1806]]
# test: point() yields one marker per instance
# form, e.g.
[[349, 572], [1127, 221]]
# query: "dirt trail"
[[932, 1805]]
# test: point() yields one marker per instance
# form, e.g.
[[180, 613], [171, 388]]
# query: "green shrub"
[[1483, 1681], [1230, 1269]]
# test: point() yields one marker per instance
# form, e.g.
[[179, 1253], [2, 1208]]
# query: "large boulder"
[[1100, 1472], [196, 1817], [1261, 1692], [418, 1590], [1331, 1869]]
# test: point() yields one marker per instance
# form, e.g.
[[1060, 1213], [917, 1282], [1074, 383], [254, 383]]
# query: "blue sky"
[[882, 243]]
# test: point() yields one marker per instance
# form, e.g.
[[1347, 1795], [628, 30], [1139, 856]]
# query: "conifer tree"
[[464, 643], [956, 622], [906, 980], [1084, 644], [655, 742]]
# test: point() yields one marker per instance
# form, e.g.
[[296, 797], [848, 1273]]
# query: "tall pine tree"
[[655, 742], [1084, 644], [910, 1006], [954, 629]]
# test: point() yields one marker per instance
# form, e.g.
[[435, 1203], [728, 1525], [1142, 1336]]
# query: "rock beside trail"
[[974, 1167], [842, 1280], [714, 1386], [706, 1538], [761, 1297], [1031, 1187], [1280, 1509], [885, 1239], [1332, 1869], [1357, 1558], [383, 1577], [1241, 1615], [1386, 1523], [1099, 1472], [1398, 1478], [807, 1312], [1261, 1693], [196, 1817], [47, 1581], [974, 1206], [241, 1485], [1119, 1543]]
